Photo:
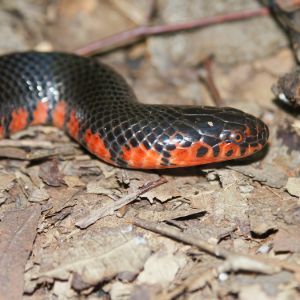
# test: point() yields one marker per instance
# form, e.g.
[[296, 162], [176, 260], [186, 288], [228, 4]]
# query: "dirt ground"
[[73, 227]]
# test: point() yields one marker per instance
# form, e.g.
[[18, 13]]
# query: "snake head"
[[210, 134]]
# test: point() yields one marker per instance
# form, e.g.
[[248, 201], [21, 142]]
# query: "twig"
[[205, 74], [109, 209], [144, 30], [176, 235], [234, 261]]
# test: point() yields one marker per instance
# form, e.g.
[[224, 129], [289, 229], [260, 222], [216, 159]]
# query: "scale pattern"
[[96, 107]]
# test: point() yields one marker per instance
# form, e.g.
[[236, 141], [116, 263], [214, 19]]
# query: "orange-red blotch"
[[40, 114], [59, 113], [186, 157], [248, 131], [96, 145], [225, 148], [19, 120], [1, 132], [73, 125], [141, 157]]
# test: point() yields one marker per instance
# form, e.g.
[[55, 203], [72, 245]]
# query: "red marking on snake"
[[59, 113], [225, 147], [248, 131], [188, 156], [1, 132], [140, 157], [19, 120], [73, 125], [96, 145], [40, 114]]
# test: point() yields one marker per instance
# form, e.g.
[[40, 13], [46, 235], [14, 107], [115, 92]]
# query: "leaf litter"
[[74, 227]]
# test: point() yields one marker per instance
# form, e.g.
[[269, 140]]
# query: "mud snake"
[[97, 108]]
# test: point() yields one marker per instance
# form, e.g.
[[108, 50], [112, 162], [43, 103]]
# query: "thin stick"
[[205, 75], [109, 209], [143, 30], [235, 261], [177, 235]]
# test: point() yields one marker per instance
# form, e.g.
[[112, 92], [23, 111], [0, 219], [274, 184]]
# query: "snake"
[[97, 108]]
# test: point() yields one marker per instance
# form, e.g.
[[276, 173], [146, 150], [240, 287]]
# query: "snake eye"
[[236, 137]]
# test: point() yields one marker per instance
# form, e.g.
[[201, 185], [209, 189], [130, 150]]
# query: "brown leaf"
[[293, 186], [6, 181], [18, 231], [73, 181], [270, 175], [161, 268], [107, 187], [287, 240], [163, 193], [231, 206], [60, 198], [97, 256], [50, 173], [38, 195]]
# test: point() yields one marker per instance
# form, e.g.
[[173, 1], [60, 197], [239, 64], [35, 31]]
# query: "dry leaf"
[[270, 175], [6, 181], [120, 290], [287, 240], [107, 187], [161, 268], [38, 195], [73, 181], [163, 193], [50, 173], [97, 256], [60, 198], [293, 186]]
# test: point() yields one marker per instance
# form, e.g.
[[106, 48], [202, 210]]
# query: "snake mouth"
[[256, 137], [263, 133]]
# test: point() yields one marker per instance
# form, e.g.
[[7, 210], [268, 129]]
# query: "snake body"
[[97, 108]]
